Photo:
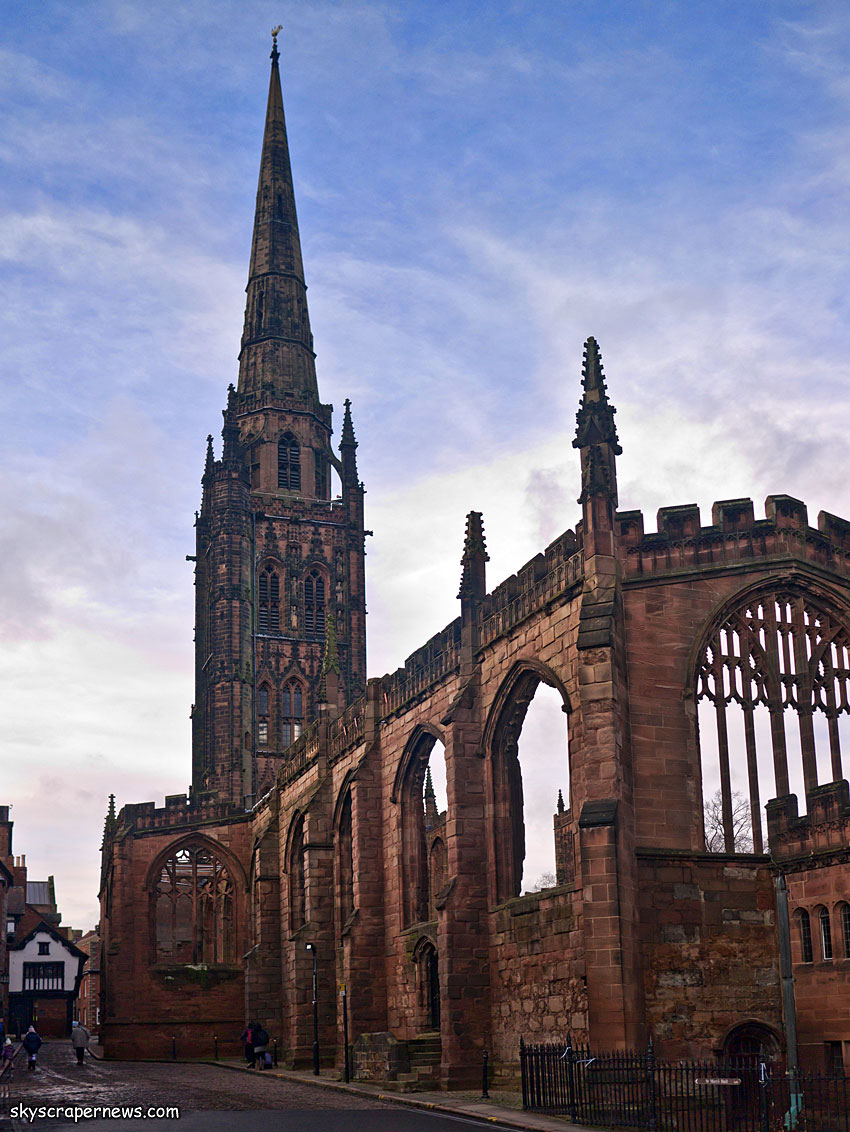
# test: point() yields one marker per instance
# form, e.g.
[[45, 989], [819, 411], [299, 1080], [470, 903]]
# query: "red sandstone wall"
[[710, 949]]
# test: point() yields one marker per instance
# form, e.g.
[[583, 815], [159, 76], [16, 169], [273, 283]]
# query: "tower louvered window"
[[314, 603], [288, 463], [291, 712], [268, 604]]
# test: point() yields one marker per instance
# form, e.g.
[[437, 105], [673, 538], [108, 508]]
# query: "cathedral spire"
[[277, 346], [596, 433]]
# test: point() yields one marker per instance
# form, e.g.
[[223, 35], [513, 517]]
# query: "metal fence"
[[634, 1089]]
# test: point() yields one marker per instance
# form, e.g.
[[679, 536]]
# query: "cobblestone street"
[[206, 1098]]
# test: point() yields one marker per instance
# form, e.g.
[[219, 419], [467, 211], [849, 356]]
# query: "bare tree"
[[742, 824], [545, 880]]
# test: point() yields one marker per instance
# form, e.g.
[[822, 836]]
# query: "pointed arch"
[[315, 601], [288, 463], [268, 598], [408, 792], [779, 647], [292, 704], [500, 748], [295, 873]]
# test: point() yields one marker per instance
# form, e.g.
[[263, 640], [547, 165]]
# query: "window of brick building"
[[291, 712], [43, 948], [806, 950], [194, 917], [44, 976], [268, 601], [844, 914], [314, 602], [834, 1059], [288, 463], [263, 715], [773, 695], [825, 934]]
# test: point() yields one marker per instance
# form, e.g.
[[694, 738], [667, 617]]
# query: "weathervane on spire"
[[275, 53]]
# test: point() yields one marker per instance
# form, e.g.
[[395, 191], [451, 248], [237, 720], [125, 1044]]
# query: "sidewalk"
[[498, 1110]]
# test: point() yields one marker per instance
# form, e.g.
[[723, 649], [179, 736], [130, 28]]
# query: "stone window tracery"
[[314, 602], [288, 463], [194, 908], [291, 712], [268, 601], [263, 696], [780, 652], [297, 893]]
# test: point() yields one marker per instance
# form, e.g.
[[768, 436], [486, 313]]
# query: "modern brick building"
[[310, 821]]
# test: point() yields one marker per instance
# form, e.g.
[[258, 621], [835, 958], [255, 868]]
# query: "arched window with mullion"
[[291, 712], [268, 601], [314, 602]]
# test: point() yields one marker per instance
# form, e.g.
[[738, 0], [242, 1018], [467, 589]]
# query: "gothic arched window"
[[268, 603], [778, 660], [263, 715], [194, 908], [297, 895], [314, 602], [288, 463], [291, 712], [825, 935], [345, 860]]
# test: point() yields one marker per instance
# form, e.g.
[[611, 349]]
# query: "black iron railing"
[[634, 1089]]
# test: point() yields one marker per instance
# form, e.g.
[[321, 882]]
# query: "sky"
[[480, 186]]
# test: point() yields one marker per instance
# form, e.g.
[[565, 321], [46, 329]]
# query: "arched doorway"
[[427, 960]]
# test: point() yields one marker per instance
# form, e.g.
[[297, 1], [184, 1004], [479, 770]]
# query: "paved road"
[[208, 1099]]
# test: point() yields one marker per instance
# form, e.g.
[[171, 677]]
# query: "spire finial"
[[595, 418], [347, 426], [275, 55], [472, 579]]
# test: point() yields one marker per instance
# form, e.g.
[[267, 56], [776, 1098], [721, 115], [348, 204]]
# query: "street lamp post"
[[312, 947]]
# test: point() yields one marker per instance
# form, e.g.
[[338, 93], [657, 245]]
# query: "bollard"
[[174, 1049], [215, 1046], [275, 1053], [485, 1096]]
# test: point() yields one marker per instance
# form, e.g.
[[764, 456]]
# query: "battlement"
[[348, 729], [682, 543], [422, 669], [179, 810], [825, 828], [300, 754], [544, 577]]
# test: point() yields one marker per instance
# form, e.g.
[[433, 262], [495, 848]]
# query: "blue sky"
[[480, 186]]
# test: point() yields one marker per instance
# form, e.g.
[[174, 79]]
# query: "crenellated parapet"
[[422, 670], [823, 831], [179, 811], [682, 543]]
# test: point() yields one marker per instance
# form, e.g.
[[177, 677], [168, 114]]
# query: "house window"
[[291, 712], [43, 948], [314, 602], [268, 604], [194, 909], [288, 463], [805, 937], [825, 935], [834, 1059], [44, 976]]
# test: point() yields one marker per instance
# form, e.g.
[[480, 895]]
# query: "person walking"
[[7, 1055], [247, 1036], [32, 1044], [261, 1044], [79, 1040]]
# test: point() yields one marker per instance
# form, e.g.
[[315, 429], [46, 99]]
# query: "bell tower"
[[279, 550]]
